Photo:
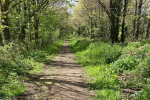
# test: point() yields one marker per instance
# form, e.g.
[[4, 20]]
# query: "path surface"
[[63, 79]]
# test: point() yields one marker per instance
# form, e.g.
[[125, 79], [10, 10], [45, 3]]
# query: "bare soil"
[[63, 79]]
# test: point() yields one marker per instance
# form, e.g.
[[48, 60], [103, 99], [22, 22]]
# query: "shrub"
[[38, 54], [144, 67], [13, 86], [12, 65], [145, 41]]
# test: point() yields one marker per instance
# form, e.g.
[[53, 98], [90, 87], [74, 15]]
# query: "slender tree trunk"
[[1, 39], [148, 29], [4, 9], [138, 21], [112, 22], [123, 22], [91, 18], [36, 27], [117, 29], [24, 26], [134, 22], [7, 35]]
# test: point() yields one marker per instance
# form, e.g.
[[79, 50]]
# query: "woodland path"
[[63, 79]]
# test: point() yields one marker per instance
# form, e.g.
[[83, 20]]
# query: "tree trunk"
[[117, 29], [1, 39], [118, 8], [138, 21], [112, 22], [36, 27], [24, 26], [134, 22], [123, 22], [148, 29], [4, 10], [91, 17], [7, 35]]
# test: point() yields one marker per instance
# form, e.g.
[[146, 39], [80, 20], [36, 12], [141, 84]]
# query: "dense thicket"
[[113, 19]]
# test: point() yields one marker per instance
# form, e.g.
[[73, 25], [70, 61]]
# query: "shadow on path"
[[63, 79]]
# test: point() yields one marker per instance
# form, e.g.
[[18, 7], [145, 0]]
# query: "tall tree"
[[114, 13], [138, 20], [5, 9], [123, 21]]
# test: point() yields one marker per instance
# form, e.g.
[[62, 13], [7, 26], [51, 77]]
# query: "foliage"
[[144, 67], [79, 44], [126, 62], [38, 54], [13, 86], [113, 68], [102, 77], [97, 52], [15, 65], [142, 95], [31, 33], [108, 94]]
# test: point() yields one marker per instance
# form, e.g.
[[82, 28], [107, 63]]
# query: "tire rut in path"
[[63, 79]]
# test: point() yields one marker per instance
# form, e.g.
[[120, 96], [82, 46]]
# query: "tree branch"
[[105, 8], [14, 5]]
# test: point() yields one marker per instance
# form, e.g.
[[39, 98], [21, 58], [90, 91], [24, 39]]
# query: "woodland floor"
[[63, 79]]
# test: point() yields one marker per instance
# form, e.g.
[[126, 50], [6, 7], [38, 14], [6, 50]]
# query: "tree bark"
[[123, 22], [134, 21], [91, 18], [148, 29], [23, 27], [112, 22], [4, 9], [138, 21], [113, 10], [1, 39]]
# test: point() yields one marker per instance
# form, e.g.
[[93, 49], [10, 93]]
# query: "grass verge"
[[119, 71], [14, 66]]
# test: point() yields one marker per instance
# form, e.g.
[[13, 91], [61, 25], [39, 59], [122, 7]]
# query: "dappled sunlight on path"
[[63, 79]]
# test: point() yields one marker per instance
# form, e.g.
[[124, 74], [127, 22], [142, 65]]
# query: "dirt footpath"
[[63, 79]]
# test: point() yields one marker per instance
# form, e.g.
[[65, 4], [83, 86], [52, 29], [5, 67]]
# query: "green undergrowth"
[[15, 65], [115, 68]]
